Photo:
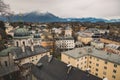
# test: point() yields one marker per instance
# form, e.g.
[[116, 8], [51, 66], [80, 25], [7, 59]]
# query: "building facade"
[[26, 49], [96, 62], [65, 43]]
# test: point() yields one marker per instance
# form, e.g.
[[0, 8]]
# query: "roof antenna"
[[69, 68], [50, 58]]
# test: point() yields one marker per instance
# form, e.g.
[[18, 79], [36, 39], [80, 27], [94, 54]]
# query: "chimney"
[[23, 48], [32, 48]]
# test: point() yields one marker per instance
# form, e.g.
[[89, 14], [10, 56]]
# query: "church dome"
[[21, 32]]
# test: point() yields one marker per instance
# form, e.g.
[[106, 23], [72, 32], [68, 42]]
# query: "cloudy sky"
[[69, 8]]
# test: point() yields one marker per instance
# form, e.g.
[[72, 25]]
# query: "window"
[[96, 69], [105, 67], [105, 62], [115, 65], [68, 62], [90, 57], [77, 65], [114, 71], [23, 43], [96, 74], [17, 44], [97, 59], [113, 76], [89, 66], [104, 73], [6, 63], [90, 62], [97, 64]]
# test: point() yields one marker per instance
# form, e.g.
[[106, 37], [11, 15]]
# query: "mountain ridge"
[[49, 17]]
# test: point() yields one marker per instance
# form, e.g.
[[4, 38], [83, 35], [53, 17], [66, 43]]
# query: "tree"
[[2, 25], [5, 10]]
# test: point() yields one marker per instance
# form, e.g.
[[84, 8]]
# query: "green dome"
[[21, 32]]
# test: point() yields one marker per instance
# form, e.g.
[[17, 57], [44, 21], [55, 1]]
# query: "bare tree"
[[5, 10]]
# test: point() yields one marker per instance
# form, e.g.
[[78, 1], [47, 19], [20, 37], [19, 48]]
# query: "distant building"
[[68, 31], [78, 44], [57, 30], [97, 62], [110, 40], [112, 48], [97, 44], [84, 38], [65, 42]]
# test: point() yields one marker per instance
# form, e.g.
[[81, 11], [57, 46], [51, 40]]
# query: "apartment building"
[[96, 62], [65, 42]]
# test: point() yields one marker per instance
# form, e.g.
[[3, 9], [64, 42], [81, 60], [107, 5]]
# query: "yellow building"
[[108, 41], [85, 38], [97, 62]]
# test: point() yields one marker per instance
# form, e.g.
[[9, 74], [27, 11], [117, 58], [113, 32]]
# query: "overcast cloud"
[[69, 8]]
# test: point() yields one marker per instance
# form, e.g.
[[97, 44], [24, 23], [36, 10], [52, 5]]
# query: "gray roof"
[[64, 38], [7, 70], [17, 51], [57, 70], [79, 52]]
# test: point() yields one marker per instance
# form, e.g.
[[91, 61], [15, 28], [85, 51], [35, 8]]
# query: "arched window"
[[17, 44], [6, 63], [23, 43]]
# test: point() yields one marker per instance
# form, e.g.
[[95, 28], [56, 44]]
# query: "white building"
[[113, 48], [97, 44], [57, 30], [68, 32], [65, 42]]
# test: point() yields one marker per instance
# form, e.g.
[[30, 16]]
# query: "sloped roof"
[[83, 51], [17, 51], [57, 70]]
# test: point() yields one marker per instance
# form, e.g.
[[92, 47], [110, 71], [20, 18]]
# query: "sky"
[[108, 9]]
